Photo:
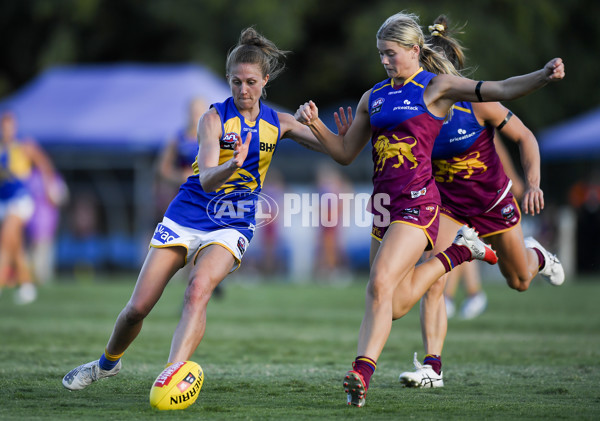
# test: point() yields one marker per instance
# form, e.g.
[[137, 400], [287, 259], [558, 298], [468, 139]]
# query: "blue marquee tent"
[[134, 106], [578, 138], [98, 119]]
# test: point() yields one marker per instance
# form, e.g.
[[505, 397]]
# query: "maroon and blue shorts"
[[502, 217], [425, 217]]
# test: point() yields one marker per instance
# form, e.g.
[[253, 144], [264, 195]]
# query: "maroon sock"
[[435, 361], [454, 256], [365, 367], [541, 260]]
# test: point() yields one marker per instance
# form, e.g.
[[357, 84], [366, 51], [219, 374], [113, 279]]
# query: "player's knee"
[[436, 290], [198, 292], [379, 287], [518, 283], [133, 314], [400, 308]]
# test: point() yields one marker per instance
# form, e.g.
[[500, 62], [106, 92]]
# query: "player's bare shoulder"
[[210, 117], [363, 103], [285, 119], [491, 113], [210, 123], [364, 99]]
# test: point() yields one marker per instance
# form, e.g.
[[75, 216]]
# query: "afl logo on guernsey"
[[241, 245], [228, 141], [376, 105]]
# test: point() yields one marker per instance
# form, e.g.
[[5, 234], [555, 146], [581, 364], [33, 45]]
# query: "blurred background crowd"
[[109, 92]]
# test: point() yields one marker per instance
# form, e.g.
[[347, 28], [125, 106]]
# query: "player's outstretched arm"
[[446, 89], [299, 133], [518, 86], [353, 133]]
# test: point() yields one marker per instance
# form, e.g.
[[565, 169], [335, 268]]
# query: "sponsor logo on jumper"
[[400, 149], [464, 166], [462, 136], [164, 234], [399, 91], [267, 147], [406, 106], [415, 194], [376, 105]]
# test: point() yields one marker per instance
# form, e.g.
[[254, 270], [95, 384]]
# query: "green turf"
[[279, 351]]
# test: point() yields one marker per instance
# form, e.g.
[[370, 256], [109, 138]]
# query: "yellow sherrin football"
[[177, 387]]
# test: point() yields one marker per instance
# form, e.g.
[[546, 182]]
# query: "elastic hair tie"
[[436, 30], [478, 90], [508, 116]]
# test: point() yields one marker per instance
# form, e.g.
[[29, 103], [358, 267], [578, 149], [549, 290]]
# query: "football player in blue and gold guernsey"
[[16, 209], [22, 161], [402, 116], [211, 221]]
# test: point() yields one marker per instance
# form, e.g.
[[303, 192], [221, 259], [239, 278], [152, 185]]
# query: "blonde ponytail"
[[404, 29], [435, 62], [443, 39]]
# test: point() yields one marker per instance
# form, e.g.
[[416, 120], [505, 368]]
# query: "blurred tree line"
[[334, 58]]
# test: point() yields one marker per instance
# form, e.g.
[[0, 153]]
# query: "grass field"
[[279, 351]]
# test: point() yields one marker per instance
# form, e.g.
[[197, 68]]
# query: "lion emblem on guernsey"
[[465, 166], [400, 150]]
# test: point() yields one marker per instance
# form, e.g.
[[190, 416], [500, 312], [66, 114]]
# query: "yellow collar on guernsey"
[[410, 78]]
